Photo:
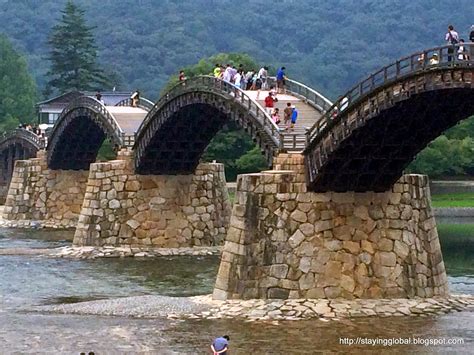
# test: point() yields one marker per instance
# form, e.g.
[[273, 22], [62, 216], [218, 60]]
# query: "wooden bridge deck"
[[293, 141], [128, 118]]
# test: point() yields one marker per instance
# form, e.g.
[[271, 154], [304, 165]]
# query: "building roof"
[[110, 98]]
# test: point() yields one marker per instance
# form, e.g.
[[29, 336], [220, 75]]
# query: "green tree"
[[17, 88], [73, 54], [232, 146], [445, 157], [206, 66]]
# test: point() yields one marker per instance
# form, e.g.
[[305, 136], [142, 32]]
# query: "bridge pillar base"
[[40, 194], [123, 208], [284, 242]]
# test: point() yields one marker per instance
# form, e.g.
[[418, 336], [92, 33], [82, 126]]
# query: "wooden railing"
[[25, 134], [143, 103], [94, 105], [311, 96], [427, 60], [210, 83]]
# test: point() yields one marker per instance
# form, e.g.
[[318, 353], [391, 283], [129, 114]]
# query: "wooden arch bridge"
[[362, 142], [16, 145]]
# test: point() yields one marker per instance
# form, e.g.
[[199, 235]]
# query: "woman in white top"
[[238, 79]]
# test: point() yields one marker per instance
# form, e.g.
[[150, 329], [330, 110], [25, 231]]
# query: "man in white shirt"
[[452, 37], [228, 73], [262, 75]]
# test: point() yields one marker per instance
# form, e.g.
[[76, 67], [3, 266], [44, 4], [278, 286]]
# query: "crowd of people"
[[32, 128], [257, 80], [36, 130], [452, 37], [458, 52], [290, 113], [250, 79]]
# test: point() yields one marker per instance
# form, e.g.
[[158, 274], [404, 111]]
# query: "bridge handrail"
[[220, 86], [93, 104], [30, 136], [143, 103], [311, 96], [417, 62]]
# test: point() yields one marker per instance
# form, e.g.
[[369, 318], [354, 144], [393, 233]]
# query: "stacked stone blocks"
[[123, 208], [38, 193], [284, 242]]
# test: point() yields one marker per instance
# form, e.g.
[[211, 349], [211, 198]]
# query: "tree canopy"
[[17, 88], [73, 54], [232, 145], [329, 45]]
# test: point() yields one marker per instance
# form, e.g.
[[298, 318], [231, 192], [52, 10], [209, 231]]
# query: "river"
[[30, 280]]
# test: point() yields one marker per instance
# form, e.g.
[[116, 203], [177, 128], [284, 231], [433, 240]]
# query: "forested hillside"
[[330, 45], [327, 44]]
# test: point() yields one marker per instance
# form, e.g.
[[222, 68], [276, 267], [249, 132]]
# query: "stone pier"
[[286, 242], [41, 194], [123, 208]]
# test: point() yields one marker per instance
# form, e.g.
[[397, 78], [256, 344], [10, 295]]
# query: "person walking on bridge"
[[269, 103], [281, 77], [452, 37], [294, 117], [217, 71], [287, 115], [135, 98], [262, 75], [471, 39]]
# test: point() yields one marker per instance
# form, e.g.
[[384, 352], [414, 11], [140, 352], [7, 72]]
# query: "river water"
[[31, 280]]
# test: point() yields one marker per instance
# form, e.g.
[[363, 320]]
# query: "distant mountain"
[[329, 45]]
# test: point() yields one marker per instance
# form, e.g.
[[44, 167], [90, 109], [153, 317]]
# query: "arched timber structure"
[[82, 127], [177, 130], [19, 144], [369, 136]]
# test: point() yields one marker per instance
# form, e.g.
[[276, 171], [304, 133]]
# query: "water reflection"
[[33, 280], [26, 281]]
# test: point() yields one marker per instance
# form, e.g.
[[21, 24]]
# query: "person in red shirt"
[[269, 103]]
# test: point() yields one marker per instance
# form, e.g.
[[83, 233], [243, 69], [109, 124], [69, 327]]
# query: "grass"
[[462, 232], [453, 200], [231, 197], [457, 245]]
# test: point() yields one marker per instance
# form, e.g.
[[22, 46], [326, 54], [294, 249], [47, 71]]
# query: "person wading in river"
[[220, 345]]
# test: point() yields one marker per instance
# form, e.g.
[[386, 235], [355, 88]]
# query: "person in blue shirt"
[[294, 117], [281, 77], [220, 345]]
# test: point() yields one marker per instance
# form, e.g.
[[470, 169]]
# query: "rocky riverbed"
[[204, 307], [127, 251], [73, 252]]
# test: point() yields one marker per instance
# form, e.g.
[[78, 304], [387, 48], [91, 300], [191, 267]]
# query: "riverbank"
[[450, 200], [72, 252], [204, 307]]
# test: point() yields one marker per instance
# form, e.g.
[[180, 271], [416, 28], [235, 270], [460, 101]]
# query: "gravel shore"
[[204, 307], [137, 306]]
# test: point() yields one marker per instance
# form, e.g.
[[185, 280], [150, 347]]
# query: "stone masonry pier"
[[285, 242], [123, 208], [41, 194]]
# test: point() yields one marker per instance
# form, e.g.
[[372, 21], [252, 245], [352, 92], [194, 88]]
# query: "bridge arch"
[[371, 134], [177, 130], [79, 133], [19, 144]]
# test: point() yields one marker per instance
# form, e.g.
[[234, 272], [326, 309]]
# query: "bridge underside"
[[77, 145], [175, 149], [373, 156]]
